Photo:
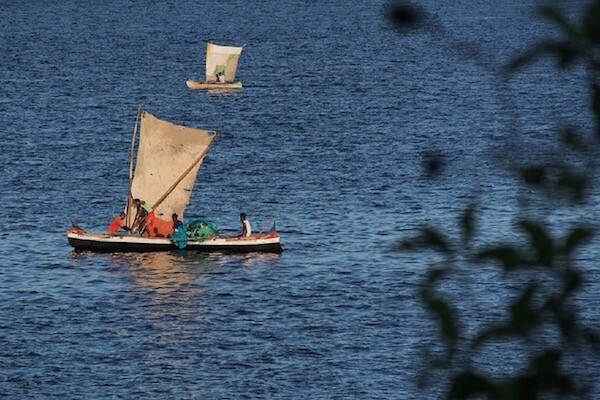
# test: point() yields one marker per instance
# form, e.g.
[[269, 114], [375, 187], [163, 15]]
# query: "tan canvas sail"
[[221, 60], [166, 153]]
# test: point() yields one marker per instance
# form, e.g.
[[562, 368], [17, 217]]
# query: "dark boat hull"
[[269, 243]]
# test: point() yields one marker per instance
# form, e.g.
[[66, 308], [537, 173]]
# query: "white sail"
[[168, 160], [221, 60]]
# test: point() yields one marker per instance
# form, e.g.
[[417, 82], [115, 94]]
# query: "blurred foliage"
[[547, 261]]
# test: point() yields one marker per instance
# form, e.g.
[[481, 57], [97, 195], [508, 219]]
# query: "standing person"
[[143, 209], [118, 223], [246, 227]]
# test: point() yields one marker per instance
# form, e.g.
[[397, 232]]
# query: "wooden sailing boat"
[[168, 159], [221, 66]]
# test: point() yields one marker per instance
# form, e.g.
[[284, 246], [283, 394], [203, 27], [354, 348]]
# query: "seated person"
[[176, 222], [117, 224]]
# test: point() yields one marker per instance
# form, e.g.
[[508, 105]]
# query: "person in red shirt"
[[118, 223]]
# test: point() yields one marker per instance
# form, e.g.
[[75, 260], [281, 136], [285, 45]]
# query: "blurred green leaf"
[[444, 314], [545, 369], [435, 239], [593, 339], [567, 324], [435, 274], [566, 54], [533, 175], [468, 384], [542, 377], [555, 15], [406, 16], [570, 138], [591, 23], [544, 297], [523, 387], [524, 316], [427, 238], [572, 281], [574, 183], [565, 318], [576, 238], [547, 362], [540, 241], [406, 245], [596, 105], [526, 58], [491, 333], [508, 256]]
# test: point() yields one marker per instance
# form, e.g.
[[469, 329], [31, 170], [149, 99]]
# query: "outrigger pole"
[[129, 197]]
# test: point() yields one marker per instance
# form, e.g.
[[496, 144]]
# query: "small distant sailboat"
[[221, 66], [168, 159]]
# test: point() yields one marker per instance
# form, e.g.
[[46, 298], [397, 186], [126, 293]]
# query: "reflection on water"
[[171, 296], [223, 92], [250, 260], [164, 272], [167, 272]]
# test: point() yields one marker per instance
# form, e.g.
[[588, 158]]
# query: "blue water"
[[338, 117]]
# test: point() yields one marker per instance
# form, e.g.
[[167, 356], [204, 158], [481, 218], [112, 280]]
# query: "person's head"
[[174, 216], [242, 216], [122, 215], [136, 202]]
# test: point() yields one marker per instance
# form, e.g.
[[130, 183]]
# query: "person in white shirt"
[[246, 227]]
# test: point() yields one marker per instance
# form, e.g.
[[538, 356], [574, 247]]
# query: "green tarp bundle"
[[197, 230]]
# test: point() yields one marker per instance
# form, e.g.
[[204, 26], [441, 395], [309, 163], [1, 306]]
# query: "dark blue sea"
[[340, 117]]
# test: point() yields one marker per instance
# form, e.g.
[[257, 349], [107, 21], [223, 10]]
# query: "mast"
[[129, 196]]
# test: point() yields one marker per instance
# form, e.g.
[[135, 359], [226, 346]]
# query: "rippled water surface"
[[339, 114]]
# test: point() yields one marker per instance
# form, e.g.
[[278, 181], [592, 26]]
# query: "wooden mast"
[[129, 196]]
